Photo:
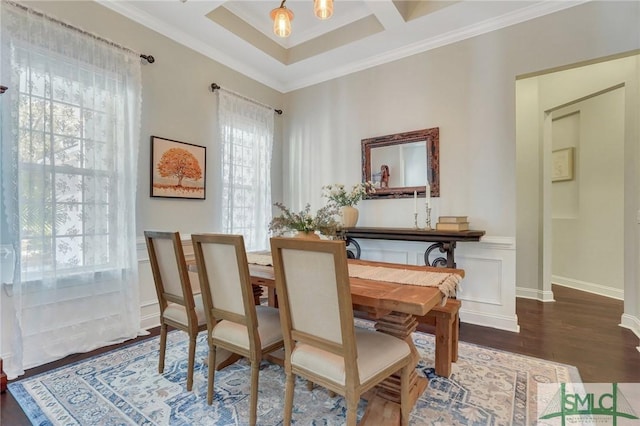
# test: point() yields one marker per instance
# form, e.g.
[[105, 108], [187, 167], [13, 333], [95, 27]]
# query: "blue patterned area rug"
[[123, 387]]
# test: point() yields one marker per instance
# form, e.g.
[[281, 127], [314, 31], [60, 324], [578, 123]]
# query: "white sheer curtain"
[[70, 132], [246, 129]]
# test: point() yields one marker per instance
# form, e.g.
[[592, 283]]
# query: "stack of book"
[[452, 223]]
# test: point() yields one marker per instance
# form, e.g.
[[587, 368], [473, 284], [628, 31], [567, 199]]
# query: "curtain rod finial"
[[148, 58], [3, 89], [214, 87]]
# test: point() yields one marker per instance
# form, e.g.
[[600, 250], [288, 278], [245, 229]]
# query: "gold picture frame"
[[562, 164]]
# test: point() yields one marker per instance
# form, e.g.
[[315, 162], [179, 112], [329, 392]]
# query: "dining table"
[[393, 306]]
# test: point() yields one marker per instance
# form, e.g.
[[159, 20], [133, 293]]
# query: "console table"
[[444, 241]]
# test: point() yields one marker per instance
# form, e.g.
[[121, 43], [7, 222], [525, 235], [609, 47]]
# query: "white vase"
[[349, 216]]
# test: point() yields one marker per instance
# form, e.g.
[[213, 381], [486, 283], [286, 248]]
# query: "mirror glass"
[[401, 163]]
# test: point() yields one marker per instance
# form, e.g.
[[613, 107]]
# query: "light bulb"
[[282, 18], [323, 8]]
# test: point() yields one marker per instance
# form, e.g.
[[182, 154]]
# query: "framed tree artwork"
[[178, 169]]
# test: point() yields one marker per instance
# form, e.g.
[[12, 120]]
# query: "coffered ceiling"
[[359, 35]]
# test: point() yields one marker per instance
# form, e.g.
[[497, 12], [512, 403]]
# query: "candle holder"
[[415, 221], [427, 219]]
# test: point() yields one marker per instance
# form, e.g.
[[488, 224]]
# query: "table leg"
[[257, 293], [352, 244], [444, 247], [401, 326]]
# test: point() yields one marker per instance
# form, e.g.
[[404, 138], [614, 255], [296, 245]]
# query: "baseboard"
[[487, 320], [149, 321], [530, 293], [601, 290], [632, 323]]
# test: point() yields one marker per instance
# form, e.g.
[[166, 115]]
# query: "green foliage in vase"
[[304, 221]]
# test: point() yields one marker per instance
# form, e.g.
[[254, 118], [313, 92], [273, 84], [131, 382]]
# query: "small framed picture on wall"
[[178, 169], [562, 165]]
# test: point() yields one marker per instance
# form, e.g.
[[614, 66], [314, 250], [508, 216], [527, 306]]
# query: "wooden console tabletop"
[[445, 241]]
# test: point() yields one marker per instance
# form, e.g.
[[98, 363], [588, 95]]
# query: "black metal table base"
[[447, 248]]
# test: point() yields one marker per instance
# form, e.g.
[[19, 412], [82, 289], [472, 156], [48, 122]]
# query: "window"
[[247, 139], [65, 174]]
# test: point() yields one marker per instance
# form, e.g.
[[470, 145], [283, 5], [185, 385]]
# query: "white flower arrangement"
[[339, 197]]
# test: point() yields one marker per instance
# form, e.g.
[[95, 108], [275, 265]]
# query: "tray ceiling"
[[361, 33]]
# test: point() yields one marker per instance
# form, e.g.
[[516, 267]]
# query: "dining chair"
[[321, 342], [234, 322], [179, 307]]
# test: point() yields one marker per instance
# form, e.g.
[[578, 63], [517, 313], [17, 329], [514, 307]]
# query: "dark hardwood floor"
[[580, 329]]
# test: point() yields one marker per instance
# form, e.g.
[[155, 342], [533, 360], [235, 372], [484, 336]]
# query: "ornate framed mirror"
[[401, 163]]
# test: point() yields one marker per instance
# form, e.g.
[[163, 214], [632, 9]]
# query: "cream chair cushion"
[[178, 313], [376, 351], [236, 334]]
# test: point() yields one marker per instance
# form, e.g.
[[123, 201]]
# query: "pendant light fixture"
[[282, 18], [323, 8]]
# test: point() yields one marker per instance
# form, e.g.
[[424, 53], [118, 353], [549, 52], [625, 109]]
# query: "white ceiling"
[[361, 33]]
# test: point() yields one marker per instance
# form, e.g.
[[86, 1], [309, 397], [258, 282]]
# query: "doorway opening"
[[576, 196]]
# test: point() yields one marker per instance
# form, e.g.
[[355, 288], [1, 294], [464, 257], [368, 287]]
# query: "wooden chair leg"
[[191, 362], [405, 398], [255, 371], [352, 409], [288, 398], [163, 347], [212, 372]]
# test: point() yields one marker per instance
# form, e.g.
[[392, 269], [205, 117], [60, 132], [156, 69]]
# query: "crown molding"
[[193, 43], [487, 26]]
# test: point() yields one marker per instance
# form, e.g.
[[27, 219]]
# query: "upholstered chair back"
[[169, 268], [312, 282], [224, 277]]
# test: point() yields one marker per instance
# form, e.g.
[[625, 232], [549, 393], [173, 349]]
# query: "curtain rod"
[[150, 59], [215, 87]]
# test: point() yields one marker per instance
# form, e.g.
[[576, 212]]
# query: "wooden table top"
[[377, 297]]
